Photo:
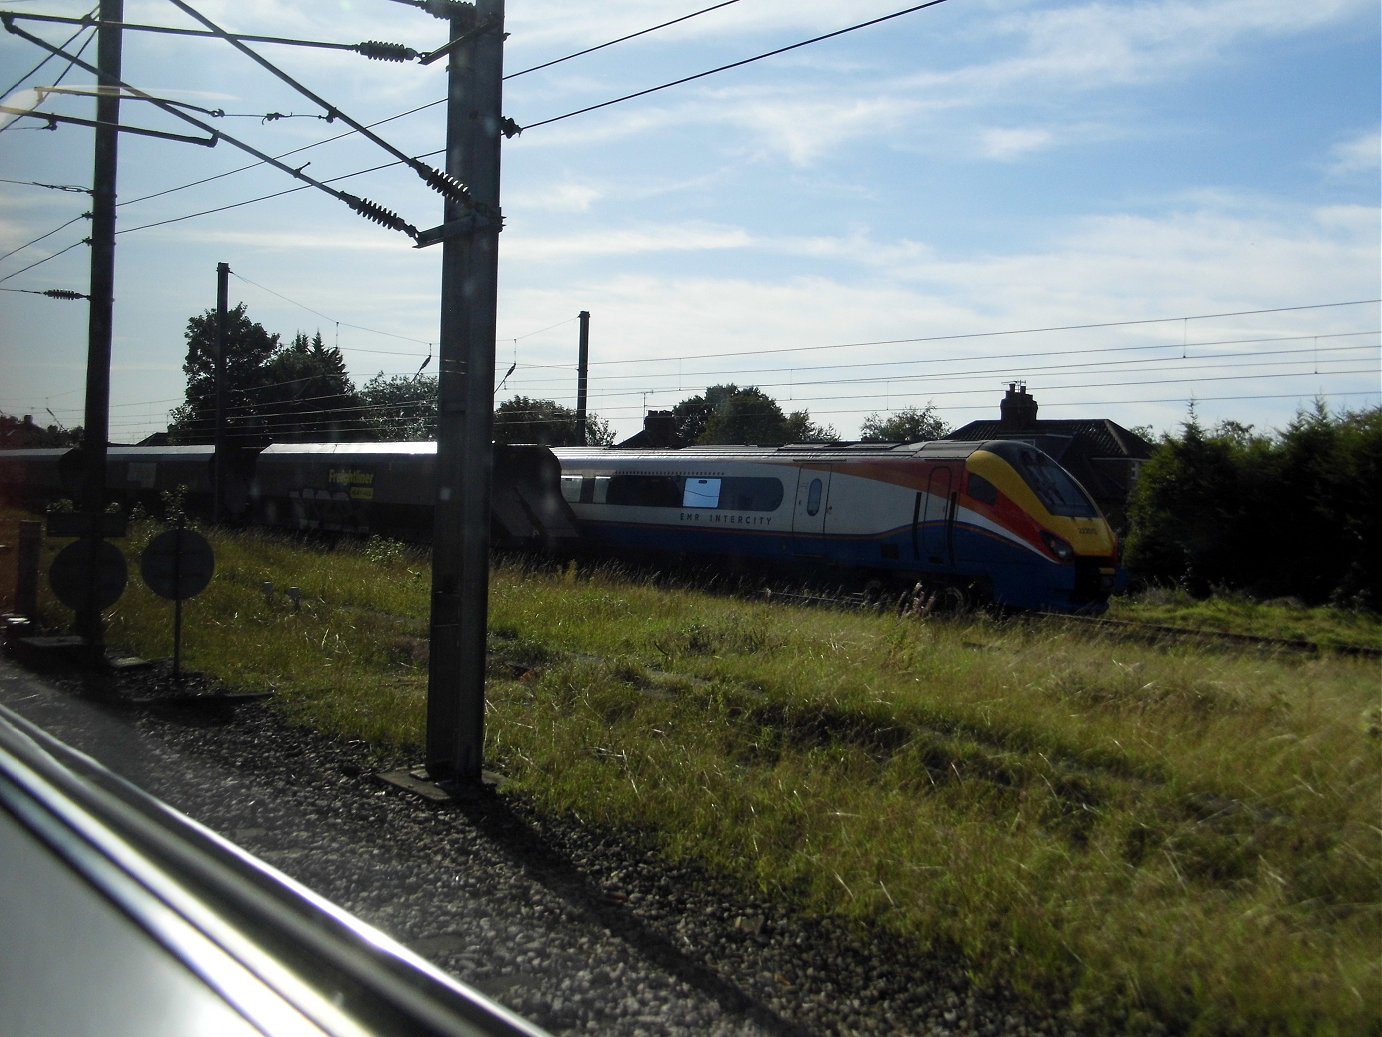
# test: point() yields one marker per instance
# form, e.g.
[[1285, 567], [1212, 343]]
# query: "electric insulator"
[[63, 293], [377, 50], [378, 214], [443, 183], [450, 9]]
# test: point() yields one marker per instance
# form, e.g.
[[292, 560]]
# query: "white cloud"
[[802, 129], [1050, 49], [1360, 154], [1009, 144], [329, 241], [550, 22], [563, 197], [1225, 253], [643, 240]]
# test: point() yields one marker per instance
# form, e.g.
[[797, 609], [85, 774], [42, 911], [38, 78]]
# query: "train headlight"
[[1058, 547]]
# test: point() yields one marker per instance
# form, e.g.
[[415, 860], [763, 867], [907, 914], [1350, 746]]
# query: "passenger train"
[[995, 522]]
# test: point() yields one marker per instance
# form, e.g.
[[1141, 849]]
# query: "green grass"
[[1228, 613], [1180, 836]]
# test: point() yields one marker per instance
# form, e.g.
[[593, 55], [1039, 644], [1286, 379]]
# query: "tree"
[[1326, 506], [692, 414], [249, 348], [16, 434], [729, 414], [801, 429], [905, 426], [1299, 515], [308, 395], [525, 420], [747, 415], [397, 408], [1186, 498]]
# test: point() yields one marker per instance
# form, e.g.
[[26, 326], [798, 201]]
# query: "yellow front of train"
[[1042, 502]]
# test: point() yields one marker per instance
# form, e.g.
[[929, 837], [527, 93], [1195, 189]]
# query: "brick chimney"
[[660, 429], [1018, 410]]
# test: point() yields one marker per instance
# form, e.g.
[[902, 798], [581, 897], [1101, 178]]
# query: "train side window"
[[588, 490], [813, 496], [571, 488], [701, 493], [647, 491], [982, 490], [750, 493]]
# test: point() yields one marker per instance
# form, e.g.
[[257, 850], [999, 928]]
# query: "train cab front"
[[1072, 531]]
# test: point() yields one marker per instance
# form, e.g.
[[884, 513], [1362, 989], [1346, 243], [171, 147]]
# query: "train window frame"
[[814, 494]]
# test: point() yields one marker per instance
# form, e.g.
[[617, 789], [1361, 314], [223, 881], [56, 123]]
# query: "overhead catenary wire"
[[734, 64], [45, 259], [90, 21], [832, 346], [615, 413], [35, 241], [388, 119], [1023, 357], [935, 390], [268, 422], [441, 182], [363, 207], [621, 39], [37, 68], [1011, 358], [69, 188], [1036, 330], [387, 334], [412, 161]]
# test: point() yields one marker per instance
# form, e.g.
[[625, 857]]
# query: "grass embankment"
[[1173, 835]]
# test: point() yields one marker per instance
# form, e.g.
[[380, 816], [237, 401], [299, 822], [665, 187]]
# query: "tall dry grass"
[[1158, 835]]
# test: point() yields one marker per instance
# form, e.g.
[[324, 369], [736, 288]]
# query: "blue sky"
[[1127, 206]]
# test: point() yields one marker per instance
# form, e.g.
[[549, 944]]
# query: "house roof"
[[1103, 439]]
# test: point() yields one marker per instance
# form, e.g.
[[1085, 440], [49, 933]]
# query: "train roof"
[[940, 449], [408, 448], [191, 450], [34, 453]]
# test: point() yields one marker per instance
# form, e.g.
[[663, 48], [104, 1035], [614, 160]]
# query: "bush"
[[1296, 515]]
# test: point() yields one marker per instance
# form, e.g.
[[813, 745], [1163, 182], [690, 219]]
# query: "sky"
[[1143, 211]]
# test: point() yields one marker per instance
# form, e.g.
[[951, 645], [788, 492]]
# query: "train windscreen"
[[1052, 484]]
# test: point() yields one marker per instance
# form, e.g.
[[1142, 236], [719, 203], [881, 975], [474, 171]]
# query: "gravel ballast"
[[579, 930]]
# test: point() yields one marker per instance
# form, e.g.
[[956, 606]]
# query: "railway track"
[[1154, 632], [1164, 632]]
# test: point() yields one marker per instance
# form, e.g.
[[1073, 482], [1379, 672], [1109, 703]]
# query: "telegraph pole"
[[465, 390], [582, 374], [96, 429], [220, 461]]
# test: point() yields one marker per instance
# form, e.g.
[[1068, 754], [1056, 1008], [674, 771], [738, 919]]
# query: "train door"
[[812, 505], [935, 514]]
